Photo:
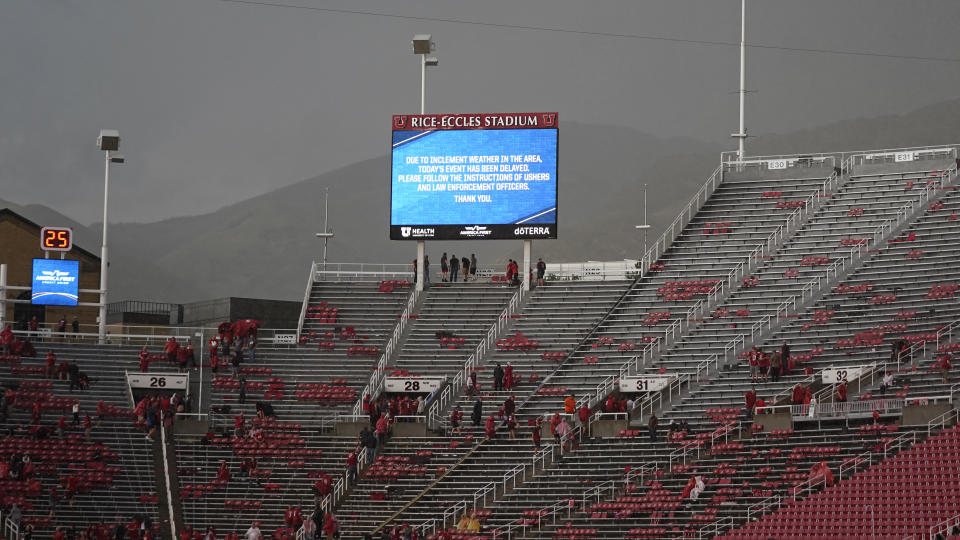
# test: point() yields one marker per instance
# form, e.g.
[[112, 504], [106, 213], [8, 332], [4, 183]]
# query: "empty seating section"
[[289, 461], [843, 328], [691, 268], [823, 239], [111, 475], [345, 329], [400, 472], [556, 317], [901, 497], [453, 312]]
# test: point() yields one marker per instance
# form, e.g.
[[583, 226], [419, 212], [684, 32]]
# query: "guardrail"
[[362, 271], [592, 271], [887, 155], [827, 391], [942, 528], [306, 299], [339, 487], [944, 335], [111, 339], [448, 394], [378, 374]]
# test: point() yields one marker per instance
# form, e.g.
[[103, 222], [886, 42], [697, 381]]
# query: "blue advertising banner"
[[55, 282]]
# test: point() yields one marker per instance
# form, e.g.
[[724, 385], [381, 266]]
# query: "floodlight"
[[431, 61], [116, 157], [108, 140], [422, 44]]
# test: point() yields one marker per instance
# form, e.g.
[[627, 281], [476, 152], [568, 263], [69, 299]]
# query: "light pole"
[[741, 134], [423, 45], [327, 234], [109, 143], [644, 228]]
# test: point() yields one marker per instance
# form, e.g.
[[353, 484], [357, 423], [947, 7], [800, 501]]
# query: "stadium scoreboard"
[[56, 238], [474, 176]]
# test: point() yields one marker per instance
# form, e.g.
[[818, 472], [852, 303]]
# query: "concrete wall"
[[921, 414], [272, 313]]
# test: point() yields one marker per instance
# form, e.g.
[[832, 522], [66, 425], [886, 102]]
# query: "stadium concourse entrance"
[[23, 312]]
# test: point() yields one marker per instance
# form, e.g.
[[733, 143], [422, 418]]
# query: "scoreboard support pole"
[[527, 248], [419, 272]]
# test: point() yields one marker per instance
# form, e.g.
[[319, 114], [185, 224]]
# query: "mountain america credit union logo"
[[49, 284], [55, 277], [475, 231], [417, 232]]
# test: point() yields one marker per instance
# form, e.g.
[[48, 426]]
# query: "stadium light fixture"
[[423, 44], [109, 143], [109, 140]]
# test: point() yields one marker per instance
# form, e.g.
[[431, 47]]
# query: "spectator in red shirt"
[[798, 393], [508, 376], [584, 415], [144, 359], [351, 467], [490, 427], [750, 400], [945, 366], [842, 392], [223, 473], [51, 369], [554, 422], [535, 434], [330, 526], [763, 361], [456, 416], [87, 426], [171, 349]]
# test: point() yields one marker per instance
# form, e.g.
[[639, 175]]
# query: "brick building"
[[19, 245]]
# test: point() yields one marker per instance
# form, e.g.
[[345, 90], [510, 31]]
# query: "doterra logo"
[[532, 231], [475, 230], [55, 277]]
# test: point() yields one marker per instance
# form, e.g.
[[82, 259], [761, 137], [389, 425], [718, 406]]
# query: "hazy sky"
[[217, 102]]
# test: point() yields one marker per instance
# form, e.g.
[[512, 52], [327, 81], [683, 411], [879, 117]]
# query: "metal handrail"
[[306, 298], [377, 376], [450, 391], [725, 286]]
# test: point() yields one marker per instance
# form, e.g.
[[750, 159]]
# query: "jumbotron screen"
[[474, 176]]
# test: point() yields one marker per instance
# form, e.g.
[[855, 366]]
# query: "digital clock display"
[[56, 239]]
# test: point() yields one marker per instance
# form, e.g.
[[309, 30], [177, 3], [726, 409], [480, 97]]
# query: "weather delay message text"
[[484, 177]]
